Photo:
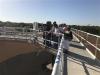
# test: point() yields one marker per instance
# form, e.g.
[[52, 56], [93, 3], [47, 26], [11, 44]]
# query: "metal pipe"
[[57, 69]]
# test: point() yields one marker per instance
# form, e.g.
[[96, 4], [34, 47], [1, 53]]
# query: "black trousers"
[[47, 37], [55, 39]]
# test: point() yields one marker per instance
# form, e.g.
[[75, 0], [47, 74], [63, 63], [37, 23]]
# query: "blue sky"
[[80, 12]]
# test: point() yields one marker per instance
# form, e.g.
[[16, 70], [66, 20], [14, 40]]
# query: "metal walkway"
[[79, 62]]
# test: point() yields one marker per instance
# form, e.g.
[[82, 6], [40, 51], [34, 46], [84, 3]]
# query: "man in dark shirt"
[[46, 35]]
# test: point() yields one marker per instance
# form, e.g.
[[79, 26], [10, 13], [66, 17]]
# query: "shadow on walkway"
[[65, 72], [85, 69], [27, 64], [84, 59], [77, 46], [75, 41]]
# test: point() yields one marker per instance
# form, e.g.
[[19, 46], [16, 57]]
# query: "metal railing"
[[59, 61], [31, 34], [17, 33], [92, 42]]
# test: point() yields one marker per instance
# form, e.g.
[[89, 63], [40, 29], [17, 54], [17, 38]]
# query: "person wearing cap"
[[46, 34]]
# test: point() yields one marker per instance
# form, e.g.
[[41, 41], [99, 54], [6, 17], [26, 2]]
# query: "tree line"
[[14, 24], [90, 29]]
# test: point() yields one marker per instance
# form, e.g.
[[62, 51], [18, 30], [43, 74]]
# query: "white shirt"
[[56, 31]]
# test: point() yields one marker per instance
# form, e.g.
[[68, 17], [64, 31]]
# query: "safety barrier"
[[17, 33], [92, 42], [59, 61], [30, 34]]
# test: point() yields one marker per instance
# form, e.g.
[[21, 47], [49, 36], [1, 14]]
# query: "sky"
[[80, 12]]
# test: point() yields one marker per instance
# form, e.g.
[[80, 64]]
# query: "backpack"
[[68, 36]]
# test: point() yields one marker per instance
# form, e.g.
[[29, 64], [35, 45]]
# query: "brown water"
[[23, 58]]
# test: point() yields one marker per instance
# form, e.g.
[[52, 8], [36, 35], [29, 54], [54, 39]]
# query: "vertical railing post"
[[96, 46], [77, 32], [15, 32], [22, 31], [86, 39], [78, 36], [81, 35], [87, 36], [4, 29], [26, 33]]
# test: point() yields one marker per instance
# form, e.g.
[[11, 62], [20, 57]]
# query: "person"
[[61, 28], [55, 35], [67, 38], [46, 34]]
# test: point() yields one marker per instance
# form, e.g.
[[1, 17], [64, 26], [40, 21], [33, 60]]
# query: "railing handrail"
[[87, 33], [88, 41], [58, 65], [18, 34]]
